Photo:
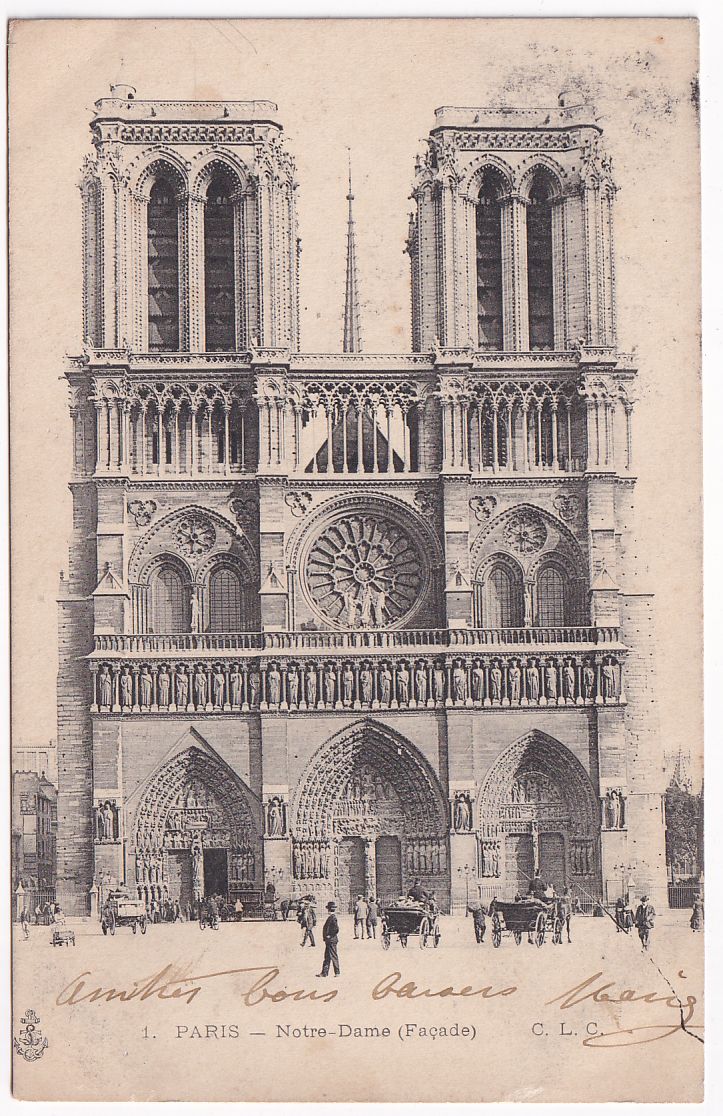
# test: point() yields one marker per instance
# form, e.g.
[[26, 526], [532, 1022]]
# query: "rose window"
[[364, 571], [195, 535], [525, 533]]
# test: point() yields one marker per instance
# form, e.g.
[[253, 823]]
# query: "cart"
[[530, 916], [406, 919], [62, 936], [121, 910]]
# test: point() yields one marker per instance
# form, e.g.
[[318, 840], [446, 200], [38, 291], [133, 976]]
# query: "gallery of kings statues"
[[342, 621]]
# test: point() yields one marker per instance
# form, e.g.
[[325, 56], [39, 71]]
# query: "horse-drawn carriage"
[[406, 918], [120, 909], [534, 917]]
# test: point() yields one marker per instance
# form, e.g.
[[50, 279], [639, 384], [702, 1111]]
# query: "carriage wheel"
[[143, 926], [517, 935], [423, 933], [496, 931], [557, 932], [386, 939], [403, 940], [437, 936], [540, 928]]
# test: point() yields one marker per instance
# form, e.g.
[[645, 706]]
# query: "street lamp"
[[626, 879], [467, 872]]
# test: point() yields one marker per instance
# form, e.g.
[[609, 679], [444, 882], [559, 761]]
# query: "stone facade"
[[337, 622]]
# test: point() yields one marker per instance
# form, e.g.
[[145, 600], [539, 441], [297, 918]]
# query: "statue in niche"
[[181, 687], [126, 688], [329, 685], [105, 687], [273, 679], [379, 605], [276, 818], [420, 682], [551, 680], [254, 687], [438, 682], [197, 861], [533, 683], [201, 686], [459, 682], [588, 682], [235, 686], [352, 608], [496, 682], [164, 687], [462, 812], [348, 684], [609, 680], [366, 680], [292, 681], [106, 821], [478, 681], [385, 685], [219, 685], [146, 685], [515, 677], [568, 675], [366, 606], [196, 625], [311, 686], [403, 684]]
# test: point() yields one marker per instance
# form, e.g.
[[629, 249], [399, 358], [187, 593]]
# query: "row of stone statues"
[[311, 860], [107, 822], [490, 858], [554, 680], [428, 857], [613, 809]]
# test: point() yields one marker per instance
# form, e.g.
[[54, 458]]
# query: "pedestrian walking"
[[361, 911], [564, 911], [308, 922], [479, 923], [696, 918], [25, 923], [645, 920], [330, 934], [372, 918]]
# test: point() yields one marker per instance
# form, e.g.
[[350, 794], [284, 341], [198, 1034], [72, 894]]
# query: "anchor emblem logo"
[[31, 1044]]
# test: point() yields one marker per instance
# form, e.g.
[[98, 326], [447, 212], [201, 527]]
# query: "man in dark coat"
[[479, 922], [308, 922], [330, 934], [645, 920]]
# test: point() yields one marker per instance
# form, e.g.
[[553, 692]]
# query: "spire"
[[352, 328]]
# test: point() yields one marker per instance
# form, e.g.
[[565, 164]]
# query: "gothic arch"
[[570, 554], [159, 539], [389, 756], [473, 177], [219, 162], [161, 163], [538, 753], [553, 171]]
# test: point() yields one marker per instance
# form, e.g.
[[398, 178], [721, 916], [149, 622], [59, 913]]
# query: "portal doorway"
[[388, 855], [520, 860], [215, 872], [552, 860], [352, 876]]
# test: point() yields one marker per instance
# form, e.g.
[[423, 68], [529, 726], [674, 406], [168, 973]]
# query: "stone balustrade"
[[471, 681], [362, 639]]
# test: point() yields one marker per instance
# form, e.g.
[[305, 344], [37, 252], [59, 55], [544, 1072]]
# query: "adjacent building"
[[341, 621]]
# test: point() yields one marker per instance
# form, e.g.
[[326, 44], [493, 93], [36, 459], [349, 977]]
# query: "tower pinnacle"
[[352, 327]]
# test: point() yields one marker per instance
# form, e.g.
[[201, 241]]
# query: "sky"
[[372, 87]]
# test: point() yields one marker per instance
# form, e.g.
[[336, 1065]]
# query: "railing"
[[369, 639]]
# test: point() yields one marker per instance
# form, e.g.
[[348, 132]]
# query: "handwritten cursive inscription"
[[392, 985]]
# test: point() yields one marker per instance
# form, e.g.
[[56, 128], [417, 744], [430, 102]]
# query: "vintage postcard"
[[356, 560]]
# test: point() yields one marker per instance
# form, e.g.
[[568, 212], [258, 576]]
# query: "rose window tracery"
[[525, 533], [364, 571], [195, 535]]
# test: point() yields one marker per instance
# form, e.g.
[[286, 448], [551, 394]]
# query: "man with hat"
[[645, 920], [361, 913], [330, 934], [308, 922]]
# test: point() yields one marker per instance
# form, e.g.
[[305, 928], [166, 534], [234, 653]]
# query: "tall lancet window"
[[539, 264], [219, 260], [163, 331], [489, 267]]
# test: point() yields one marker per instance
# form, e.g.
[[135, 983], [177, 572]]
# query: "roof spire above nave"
[[352, 326]]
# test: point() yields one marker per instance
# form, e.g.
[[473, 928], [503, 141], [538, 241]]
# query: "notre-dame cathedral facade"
[[341, 621]]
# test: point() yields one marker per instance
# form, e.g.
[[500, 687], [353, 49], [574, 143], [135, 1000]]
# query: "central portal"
[[369, 819]]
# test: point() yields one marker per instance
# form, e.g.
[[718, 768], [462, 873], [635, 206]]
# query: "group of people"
[[366, 917]]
